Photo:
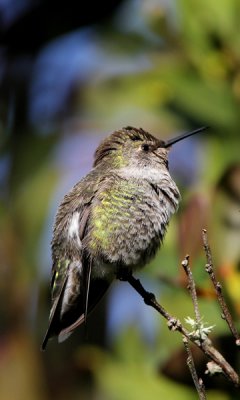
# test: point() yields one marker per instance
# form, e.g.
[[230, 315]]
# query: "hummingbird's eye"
[[145, 147]]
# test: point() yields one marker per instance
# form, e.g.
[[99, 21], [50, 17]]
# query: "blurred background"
[[69, 75]]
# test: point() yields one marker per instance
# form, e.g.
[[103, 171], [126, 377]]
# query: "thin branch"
[[190, 363], [175, 325], [218, 289], [192, 288]]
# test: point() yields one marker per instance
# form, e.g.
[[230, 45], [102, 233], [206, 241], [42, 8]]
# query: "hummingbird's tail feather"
[[97, 289], [76, 294], [87, 290], [53, 315], [63, 336], [64, 295]]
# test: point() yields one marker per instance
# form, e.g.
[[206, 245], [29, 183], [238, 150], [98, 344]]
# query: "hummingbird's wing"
[[74, 293]]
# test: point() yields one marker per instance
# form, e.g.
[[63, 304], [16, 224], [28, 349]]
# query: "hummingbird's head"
[[130, 147], [135, 148]]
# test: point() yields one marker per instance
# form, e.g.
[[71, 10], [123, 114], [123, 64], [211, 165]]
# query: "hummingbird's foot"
[[148, 297], [123, 274]]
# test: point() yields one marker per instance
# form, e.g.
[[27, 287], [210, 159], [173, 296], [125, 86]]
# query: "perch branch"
[[175, 325]]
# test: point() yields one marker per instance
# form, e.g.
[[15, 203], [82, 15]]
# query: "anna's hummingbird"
[[111, 223]]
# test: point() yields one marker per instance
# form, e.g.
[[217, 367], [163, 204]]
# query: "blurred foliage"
[[189, 56]]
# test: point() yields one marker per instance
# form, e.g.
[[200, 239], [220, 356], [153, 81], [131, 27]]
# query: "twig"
[[197, 382], [175, 325], [218, 289], [191, 288]]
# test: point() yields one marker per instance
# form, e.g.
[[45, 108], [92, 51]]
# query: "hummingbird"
[[110, 224]]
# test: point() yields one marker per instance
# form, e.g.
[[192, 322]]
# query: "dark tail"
[[54, 316]]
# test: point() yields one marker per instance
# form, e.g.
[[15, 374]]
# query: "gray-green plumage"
[[114, 219]]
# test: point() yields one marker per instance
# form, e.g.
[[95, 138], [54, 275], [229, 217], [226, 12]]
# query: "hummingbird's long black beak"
[[169, 142]]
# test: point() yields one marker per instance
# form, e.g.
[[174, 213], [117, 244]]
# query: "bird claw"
[[123, 274]]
